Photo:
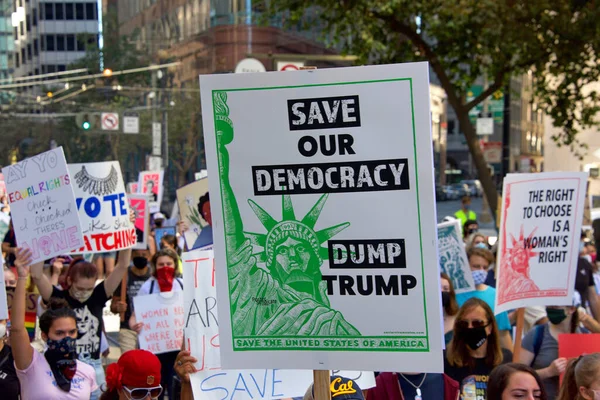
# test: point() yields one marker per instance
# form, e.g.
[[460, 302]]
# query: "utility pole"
[[486, 216]]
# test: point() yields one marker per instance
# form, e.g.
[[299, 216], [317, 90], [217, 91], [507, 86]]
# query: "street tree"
[[557, 41]]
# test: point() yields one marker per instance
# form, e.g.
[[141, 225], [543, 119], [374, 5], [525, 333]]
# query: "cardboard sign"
[[202, 339], [573, 345], [453, 257], [160, 232], [132, 187], [162, 315], [43, 205], [188, 198], [102, 204], [323, 208], [31, 302], [151, 184], [539, 239], [139, 204]]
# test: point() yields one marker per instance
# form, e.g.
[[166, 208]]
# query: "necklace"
[[418, 388]]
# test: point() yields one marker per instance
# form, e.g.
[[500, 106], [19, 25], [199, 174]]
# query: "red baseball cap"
[[135, 369]]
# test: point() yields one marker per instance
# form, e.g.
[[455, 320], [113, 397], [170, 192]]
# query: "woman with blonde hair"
[[582, 379], [475, 350]]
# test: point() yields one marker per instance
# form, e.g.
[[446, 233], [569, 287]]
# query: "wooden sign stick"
[[519, 334], [322, 381], [123, 295]]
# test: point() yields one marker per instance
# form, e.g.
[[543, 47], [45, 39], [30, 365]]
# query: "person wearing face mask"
[[9, 382], [87, 300], [476, 240], [469, 228], [57, 373], [584, 283], [540, 346], [582, 379], [449, 306], [137, 275], [465, 213], [479, 261], [475, 350], [164, 279], [170, 242]]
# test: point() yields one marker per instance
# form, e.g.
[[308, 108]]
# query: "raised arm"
[[41, 280], [19, 339], [111, 283]]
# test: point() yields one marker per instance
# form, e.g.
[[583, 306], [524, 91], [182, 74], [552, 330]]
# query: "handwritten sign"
[[539, 239], [43, 205], [202, 339], [151, 183], [31, 302], [139, 204], [102, 204], [162, 315], [453, 257]]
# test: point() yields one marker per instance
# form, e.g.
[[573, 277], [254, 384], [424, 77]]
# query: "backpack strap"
[[180, 282], [538, 339], [152, 286]]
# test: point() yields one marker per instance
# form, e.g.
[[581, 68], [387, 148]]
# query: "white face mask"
[[81, 295], [2, 330]]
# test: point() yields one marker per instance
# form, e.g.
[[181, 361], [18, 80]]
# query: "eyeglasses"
[[476, 323], [142, 393]]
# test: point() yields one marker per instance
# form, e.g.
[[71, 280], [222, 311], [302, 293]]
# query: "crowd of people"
[[65, 362]]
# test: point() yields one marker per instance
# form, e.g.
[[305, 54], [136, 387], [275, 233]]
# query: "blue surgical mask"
[[467, 207], [481, 246], [479, 276]]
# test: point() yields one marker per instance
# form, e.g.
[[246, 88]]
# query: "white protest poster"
[[453, 256], [323, 207], [140, 205], [43, 205], [162, 315], [103, 207], [192, 199], [151, 183], [202, 340], [539, 239], [3, 302]]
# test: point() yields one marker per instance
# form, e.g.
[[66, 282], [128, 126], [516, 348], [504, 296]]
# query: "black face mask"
[[140, 262], [158, 223], [445, 299], [475, 337], [62, 358]]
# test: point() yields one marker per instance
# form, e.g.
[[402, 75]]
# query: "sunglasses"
[[142, 393], [476, 323]]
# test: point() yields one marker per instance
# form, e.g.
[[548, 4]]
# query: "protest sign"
[[31, 302], [160, 232], [202, 339], [3, 304], [139, 205], [539, 239], [43, 205], [324, 218], [200, 175], [151, 183], [102, 204], [162, 315], [132, 187], [573, 345], [453, 257], [188, 198], [2, 185]]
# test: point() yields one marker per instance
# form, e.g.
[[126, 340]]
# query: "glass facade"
[[7, 48]]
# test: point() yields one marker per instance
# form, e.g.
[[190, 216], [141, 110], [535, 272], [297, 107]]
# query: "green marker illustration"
[[286, 296]]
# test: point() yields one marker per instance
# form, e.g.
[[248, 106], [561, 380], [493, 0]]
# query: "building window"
[[23, 56], [51, 68], [61, 68], [27, 25], [29, 53], [35, 47], [69, 12], [49, 11], [81, 42], [36, 71], [60, 42], [17, 59], [50, 44], [90, 11], [22, 28], [79, 11], [59, 11], [70, 42], [34, 17]]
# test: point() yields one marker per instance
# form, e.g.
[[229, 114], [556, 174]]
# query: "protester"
[[136, 376], [582, 379], [87, 300], [350, 391], [158, 218], [163, 280], [449, 306], [540, 346], [475, 350], [465, 213], [477, 240], [137, 275], [9, 245], [470, 227], [57, 374], [10, 279], [184, 366], [515, 382], [590, 250], [425, 386], [9, 382], [585, 285], [170, 242], [479, 261], [205, 238]]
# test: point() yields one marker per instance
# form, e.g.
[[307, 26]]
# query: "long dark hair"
[[500, 376], [581, 372], [452, 308], [458, 352], [57, 308]]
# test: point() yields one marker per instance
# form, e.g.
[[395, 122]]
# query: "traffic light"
[[87, 121]]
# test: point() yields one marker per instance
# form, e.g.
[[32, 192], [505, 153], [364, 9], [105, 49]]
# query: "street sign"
[[249, 65], [495, 104], [289, 65], [110, 121], [492, 152], [485, 126], [154, 163], [156, 139], [131, 124]]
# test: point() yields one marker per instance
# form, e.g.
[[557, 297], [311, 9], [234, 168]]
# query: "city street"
[[448, 208]]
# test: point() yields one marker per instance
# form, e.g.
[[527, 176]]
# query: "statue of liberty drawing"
[[285, 295]]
